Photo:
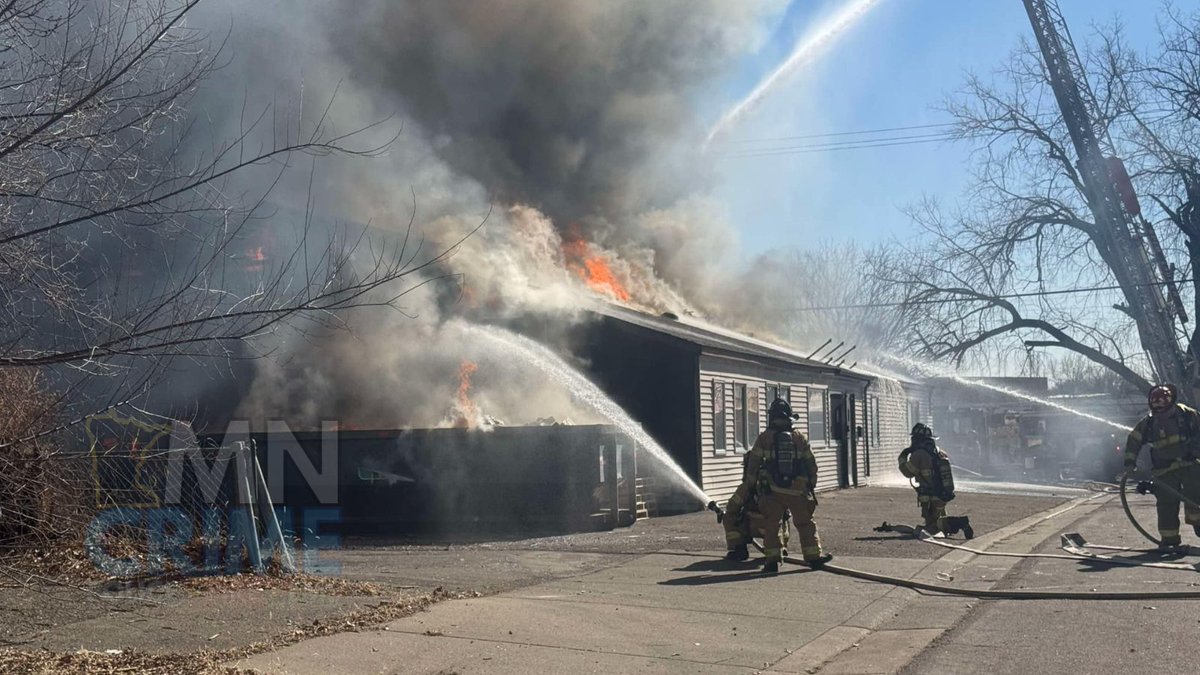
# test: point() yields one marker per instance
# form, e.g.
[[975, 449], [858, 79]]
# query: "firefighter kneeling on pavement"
[[782, 469], [926, 463], [1173, 432]]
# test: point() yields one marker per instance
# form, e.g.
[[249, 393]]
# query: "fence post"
[[267, 511], [252, 546]]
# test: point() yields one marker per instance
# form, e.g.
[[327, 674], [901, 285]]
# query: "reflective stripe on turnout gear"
[[1175, 465], [1169, 533]]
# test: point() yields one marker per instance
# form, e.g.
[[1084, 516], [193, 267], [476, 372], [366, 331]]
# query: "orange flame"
[[464, 407], [593, 269]]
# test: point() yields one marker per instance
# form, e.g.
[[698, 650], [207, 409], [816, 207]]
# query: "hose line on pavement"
[[1004, 594], [1015, 594]]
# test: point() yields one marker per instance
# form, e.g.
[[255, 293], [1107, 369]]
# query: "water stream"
[[541, 357], [940, 371], [811, 45]]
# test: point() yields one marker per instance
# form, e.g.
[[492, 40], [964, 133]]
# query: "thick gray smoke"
[[579, 108], [568, 125]]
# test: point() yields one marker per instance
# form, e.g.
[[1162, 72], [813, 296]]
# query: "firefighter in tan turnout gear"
[[926, 463], [1173, 432], [781, 467], [740, 531]]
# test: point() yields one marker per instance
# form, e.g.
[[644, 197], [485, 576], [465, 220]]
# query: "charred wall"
[[461, 482], [653, 376]]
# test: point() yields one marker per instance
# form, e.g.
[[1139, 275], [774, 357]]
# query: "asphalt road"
[[1130, 636]]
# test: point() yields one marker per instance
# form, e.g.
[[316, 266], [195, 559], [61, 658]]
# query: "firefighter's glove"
[[1145, 487]]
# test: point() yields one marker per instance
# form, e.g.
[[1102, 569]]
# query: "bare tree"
[[126, 233], [1019, 264]]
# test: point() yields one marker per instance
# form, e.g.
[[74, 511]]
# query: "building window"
[[816, 415], [739, 417], [775, 391], [752, 421], [718, 393], [914, 412]]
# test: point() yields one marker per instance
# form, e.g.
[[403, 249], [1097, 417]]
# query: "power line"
[[835, 134], [748, 148], [851, 145], [1012, 296]]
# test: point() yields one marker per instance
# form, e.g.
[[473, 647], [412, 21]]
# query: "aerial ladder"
[[1124, 237]]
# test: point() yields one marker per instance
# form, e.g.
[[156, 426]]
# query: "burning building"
[[702, 392]]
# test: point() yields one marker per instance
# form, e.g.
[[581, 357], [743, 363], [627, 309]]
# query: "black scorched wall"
[[654, 378]]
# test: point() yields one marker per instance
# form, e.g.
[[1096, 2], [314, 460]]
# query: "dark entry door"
[[840, 433]]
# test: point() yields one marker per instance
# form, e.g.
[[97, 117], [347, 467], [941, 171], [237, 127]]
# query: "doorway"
[[839, 417]]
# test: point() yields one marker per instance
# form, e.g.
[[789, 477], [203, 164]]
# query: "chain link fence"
[[142, 500]]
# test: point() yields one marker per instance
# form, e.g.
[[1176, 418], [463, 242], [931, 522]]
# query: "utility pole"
[[1119, 239]]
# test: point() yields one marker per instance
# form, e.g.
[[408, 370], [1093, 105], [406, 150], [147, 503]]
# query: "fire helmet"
[[922, 431], [1162, 397], [780, 409]]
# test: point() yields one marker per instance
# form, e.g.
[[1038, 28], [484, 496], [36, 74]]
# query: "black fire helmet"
[[920, 430], [780, 408]]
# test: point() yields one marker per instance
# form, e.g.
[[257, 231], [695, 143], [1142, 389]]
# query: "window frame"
[[739, 417], [823, 397], [753, 412], [720, 440]]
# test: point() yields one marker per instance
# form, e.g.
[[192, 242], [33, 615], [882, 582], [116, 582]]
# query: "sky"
[[893, 68]]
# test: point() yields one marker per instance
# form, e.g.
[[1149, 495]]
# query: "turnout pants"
[[1186, 481], [773, 507], [933, 510]]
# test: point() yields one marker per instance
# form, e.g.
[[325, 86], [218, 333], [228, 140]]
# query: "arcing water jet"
[[545, 360], [807, 48], [939, 371]]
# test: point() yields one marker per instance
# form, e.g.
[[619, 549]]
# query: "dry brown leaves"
[[292, 582], [207, 662]]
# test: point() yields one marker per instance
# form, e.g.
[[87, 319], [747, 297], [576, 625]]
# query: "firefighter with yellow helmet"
[[1173, 432], [782, 469], [929, 466]]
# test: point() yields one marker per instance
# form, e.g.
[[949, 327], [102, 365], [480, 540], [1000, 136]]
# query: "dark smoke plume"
[[581, 109], [562, 119]]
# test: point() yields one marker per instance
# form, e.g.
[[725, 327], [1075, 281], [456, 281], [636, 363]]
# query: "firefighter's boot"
[[738, 553], [968, 531], [956, 524], [771, 567], [819, 561], [1171, 546]]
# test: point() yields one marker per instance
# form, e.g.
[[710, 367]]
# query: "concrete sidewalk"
[[684, 612]]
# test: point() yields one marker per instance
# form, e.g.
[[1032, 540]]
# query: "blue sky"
[[892, 69]]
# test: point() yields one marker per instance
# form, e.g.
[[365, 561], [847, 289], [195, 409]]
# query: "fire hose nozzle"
[[712, 506]]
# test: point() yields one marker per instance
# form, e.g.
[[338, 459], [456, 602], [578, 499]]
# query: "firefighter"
[[1173, 432], [782, 469], [929, 465], [740, 531]]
